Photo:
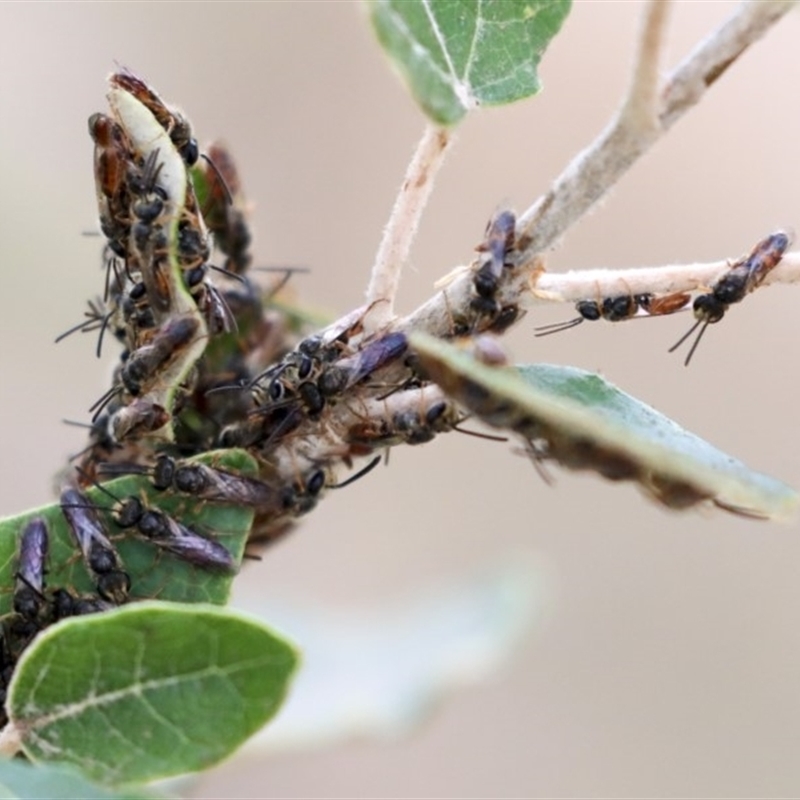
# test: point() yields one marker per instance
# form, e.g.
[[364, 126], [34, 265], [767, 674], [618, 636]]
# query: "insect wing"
[[375, 355], [190, 546], [33, 548], [207, 483], [765, 257], [84, 522]]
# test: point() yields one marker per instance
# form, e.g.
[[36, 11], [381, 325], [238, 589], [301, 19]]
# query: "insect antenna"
[[103, 401], [88, 478], [103, 329], [705, 324], [109, 468], [228, 274], [228, 387], [86, 326], [557, 327], [360, 474], [76, 424], [287, 274], [301, 270], [479, 435], [273, 371], [223, 182], [94, 319]]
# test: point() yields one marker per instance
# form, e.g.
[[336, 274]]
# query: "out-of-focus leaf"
[[154, 572], [581, 421], [377, 672], [21, 781], [458, 54], [147, 691]]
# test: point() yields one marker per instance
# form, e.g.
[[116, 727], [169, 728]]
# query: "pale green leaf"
[[21, 781]]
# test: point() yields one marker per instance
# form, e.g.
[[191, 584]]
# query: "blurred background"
[[669, 663]]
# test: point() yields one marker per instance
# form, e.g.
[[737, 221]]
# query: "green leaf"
[[154, 572], [458, 54], [584, 422], [147, 691], [21, 781]]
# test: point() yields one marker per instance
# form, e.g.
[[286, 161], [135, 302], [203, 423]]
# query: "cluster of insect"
[[211, 362]]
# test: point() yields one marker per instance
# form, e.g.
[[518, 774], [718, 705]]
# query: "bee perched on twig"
[[171, 119], [743, 277], [619, 308], [496, 251]]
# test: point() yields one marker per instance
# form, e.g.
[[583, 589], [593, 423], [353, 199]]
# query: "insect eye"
[[435, 412], [190, 152], [163, 472], [195, 276], [316, 482], [276, 390], [305, 367], [485, 282]]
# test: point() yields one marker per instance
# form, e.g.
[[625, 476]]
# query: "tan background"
[[671, 661]]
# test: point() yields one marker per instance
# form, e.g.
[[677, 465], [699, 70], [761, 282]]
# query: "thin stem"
[[10, 741], [595, 170], [401, 229], [570, 287], [711, 58], [640, 108]]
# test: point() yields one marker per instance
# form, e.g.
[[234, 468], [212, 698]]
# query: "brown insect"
[[173, 122], [744, 276]]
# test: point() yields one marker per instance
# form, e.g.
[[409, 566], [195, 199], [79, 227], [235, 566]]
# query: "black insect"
[[29, 600], [169, 534], [149, 199], [746, 275], [263, 427], [303, 384], [203, 482], [618, 309], [143, 366], [150, 249], [112, 158], [99, 555], [137, 419], [302, 494], [64, 603], [498, 244], [348, 372], [35, 608], [410, 426], [137, 312], [224, 210]]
